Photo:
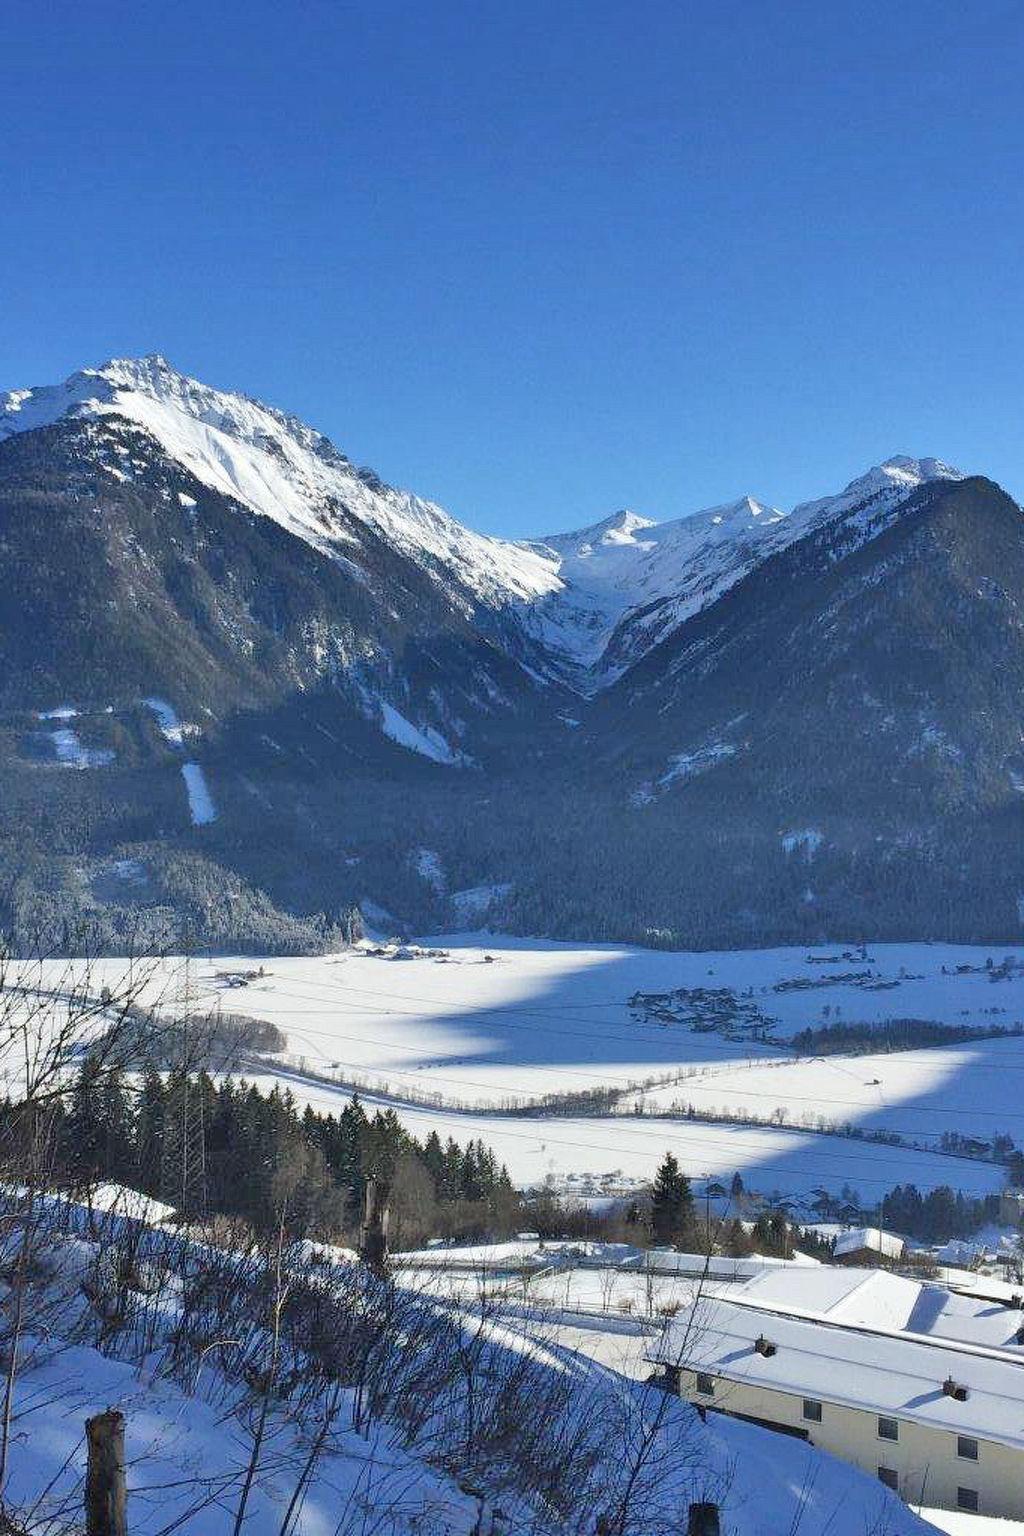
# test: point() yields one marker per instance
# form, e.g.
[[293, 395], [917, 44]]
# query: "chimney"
[[954, 1389], [764, 1346]]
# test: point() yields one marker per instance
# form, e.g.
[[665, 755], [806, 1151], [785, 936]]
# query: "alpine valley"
[[247, 686]]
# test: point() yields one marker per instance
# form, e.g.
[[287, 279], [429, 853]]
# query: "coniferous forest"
[[269, 1164]]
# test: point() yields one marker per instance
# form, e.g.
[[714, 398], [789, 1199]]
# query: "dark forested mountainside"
[[830, 745]]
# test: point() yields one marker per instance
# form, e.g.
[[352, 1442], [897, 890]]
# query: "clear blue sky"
[[538, 259]]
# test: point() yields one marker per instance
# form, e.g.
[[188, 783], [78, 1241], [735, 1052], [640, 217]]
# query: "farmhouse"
[[940, 1421], [869, 1245]]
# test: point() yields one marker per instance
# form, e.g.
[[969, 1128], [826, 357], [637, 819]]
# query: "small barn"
[[866, 1246]]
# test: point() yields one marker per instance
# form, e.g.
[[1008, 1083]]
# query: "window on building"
[[967, 1498], [888, 1429], [812, 1409], [889, 1477], [705, 1385], [966, 1448]]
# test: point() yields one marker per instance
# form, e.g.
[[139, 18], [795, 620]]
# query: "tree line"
[[267, 1161]]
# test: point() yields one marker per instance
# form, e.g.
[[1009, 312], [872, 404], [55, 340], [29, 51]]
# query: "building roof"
[[876, 1299], [886, 1243], [878, 1372]]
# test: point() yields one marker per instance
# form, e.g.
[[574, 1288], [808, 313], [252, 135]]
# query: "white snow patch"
[[167, 720], [71, 753], [416, 738], [200, 802], [688, 764]]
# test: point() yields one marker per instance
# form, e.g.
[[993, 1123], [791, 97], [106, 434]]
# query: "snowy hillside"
[[375, 1408]]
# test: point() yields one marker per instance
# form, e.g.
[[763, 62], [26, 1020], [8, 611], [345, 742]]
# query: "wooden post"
[[106, 1496], [703, 1520], [373, 1243]]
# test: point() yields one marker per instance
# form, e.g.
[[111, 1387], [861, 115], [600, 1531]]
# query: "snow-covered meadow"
[[469, 1035]]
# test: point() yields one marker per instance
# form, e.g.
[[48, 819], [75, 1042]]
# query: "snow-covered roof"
[[886, 1243], [877, 1372], [666, 1261], [876, 1299]]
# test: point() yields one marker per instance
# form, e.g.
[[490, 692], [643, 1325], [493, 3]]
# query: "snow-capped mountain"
[[579, 606], [741, 725], [628, 582], [279, 467]]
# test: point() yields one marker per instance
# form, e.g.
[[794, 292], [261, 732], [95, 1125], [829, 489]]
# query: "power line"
[[607, 1078], [494, 1123]]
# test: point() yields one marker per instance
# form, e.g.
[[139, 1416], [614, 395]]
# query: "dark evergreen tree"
[[671, 1203]]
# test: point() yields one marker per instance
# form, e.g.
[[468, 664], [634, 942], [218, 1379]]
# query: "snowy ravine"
[[584, 605]]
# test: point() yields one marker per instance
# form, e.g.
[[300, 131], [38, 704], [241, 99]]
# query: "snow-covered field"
[[465, 1029], [492, 1018], [628, 1149], [972, 1088]]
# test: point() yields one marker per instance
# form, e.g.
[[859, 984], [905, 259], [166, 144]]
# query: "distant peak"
[[617, 528], [903, 470]]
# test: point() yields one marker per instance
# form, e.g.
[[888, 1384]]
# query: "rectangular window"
[[966, 1448], [812, 1409], [967, 1498], [890, 1478], [888, 1429], [705, 1385]]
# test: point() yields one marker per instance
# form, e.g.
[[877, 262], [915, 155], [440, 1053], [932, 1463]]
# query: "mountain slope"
[[628, 583], [287, 689], [579, 607]]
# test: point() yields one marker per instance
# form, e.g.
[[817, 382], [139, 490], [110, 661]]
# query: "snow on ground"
[[955, 1523], [200, 802], [72, 753], [186, 1461], [485, 1023], [191, 1433], [201, 807], [167, 720], [785, 1162], [972, 1088], [416, 738]]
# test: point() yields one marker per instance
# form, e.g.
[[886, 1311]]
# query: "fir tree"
[[671, 1203]]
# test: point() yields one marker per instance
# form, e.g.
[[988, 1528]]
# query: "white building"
[[940, 1421], [869, 1245]]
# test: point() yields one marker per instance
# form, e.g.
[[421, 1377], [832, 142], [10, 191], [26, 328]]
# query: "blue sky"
[[537, 260]]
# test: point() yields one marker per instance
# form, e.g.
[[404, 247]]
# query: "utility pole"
[[183, 1170]]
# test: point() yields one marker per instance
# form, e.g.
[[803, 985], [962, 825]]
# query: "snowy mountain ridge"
[[582, 606]]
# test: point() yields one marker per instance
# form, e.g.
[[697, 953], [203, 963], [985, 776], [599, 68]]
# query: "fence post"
[[106, 1496], [373, 1237], [703, 1520]]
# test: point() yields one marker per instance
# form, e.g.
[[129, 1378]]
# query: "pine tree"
[[671, 1203]]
